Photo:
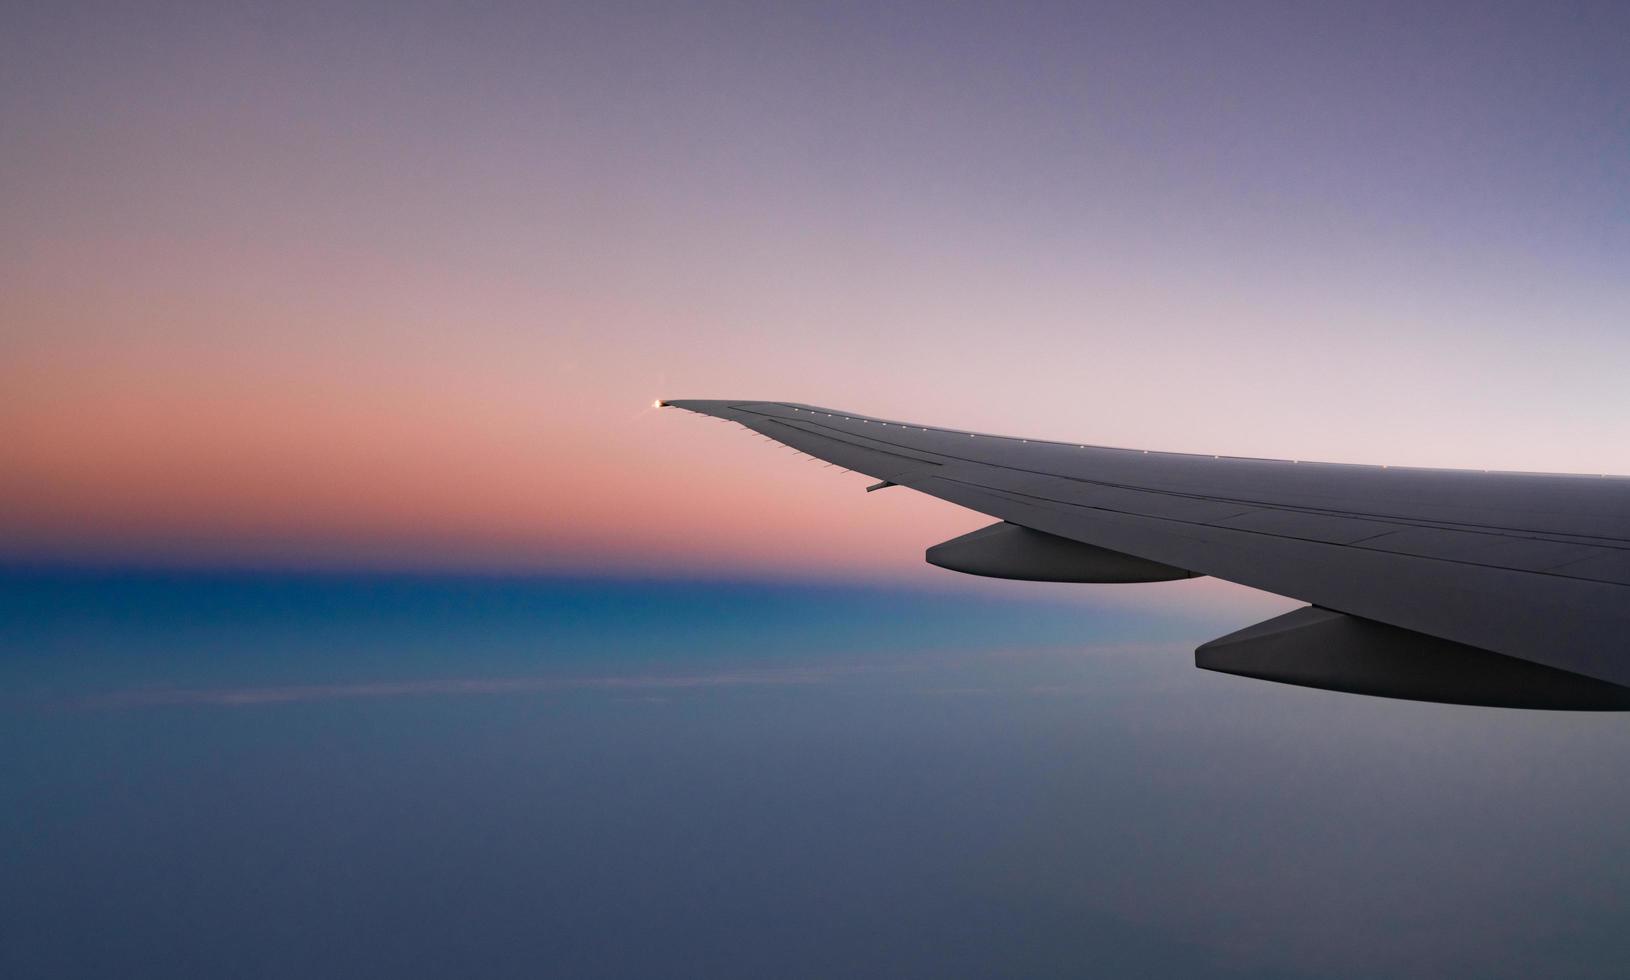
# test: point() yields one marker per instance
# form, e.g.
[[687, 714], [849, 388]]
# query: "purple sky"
[[392, 285]]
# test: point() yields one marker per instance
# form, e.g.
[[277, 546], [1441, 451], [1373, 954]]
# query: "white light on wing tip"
[[657, 403]]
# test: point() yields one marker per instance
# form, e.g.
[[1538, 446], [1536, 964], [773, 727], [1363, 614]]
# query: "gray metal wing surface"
[[1534, 567]]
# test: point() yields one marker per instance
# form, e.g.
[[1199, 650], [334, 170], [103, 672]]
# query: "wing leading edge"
[[1533, 568]]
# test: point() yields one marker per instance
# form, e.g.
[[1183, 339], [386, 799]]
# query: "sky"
[[356, 775], [320, 322], [392, 286]]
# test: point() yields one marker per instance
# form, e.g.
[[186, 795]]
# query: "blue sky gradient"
[[357, 777]]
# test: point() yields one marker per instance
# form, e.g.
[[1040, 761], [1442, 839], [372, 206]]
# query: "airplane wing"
[[1459, 586]]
